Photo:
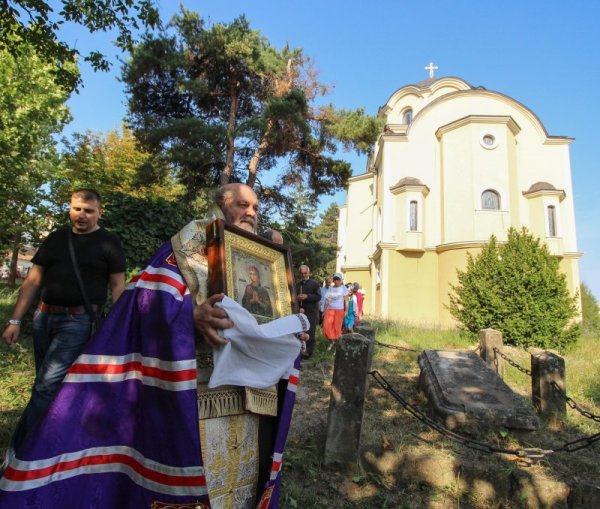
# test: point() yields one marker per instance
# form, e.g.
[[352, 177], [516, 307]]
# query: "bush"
[[517, 289], [590, 310], [143, 224]]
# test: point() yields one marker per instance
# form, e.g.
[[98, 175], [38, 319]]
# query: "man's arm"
[[315, 294], [117, 285], [27, 294]]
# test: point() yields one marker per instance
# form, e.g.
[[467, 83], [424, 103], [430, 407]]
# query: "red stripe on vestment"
[[160, 278], [114, 369], [105, 459]]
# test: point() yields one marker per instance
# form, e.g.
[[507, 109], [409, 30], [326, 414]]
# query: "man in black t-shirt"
[[61, 324]]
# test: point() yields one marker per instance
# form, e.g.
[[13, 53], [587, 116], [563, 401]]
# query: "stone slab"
[[463, 391]]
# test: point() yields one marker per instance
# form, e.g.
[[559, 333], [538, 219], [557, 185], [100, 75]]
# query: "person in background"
[[273, 236], [61, 324], [326, 285], [351, 310], [309, 297], [360, 299], [334, 310]]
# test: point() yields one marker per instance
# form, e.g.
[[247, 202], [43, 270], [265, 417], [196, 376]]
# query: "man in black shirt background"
[[61, 324], [309, 297]]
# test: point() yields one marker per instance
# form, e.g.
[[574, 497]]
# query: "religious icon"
[[253, 271]]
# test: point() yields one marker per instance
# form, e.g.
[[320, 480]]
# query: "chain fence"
[[533, 453], [527, 452], [397, 347], [511, 362]]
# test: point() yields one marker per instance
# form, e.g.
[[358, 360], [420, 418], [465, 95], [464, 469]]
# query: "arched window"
[[413, 216], [490, 200], [551, 221], [407, 116]]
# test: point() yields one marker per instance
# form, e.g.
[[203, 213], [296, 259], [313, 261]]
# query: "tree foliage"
[[517, 289], [32, 112], [325, 233], [590, 311], [143, 213], [34, 24], [111, 161], [221, 104], [143, 224]]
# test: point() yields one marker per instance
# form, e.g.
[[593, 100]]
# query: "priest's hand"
[[208, 319]]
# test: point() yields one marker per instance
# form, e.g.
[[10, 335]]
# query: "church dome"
[[541, 186], [426, 83]]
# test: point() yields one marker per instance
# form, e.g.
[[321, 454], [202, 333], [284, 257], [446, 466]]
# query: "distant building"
[[454, 165]]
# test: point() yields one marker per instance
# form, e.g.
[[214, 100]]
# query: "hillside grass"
[[416, 466]]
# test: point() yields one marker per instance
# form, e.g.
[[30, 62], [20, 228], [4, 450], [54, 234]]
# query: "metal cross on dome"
[[431, 68]]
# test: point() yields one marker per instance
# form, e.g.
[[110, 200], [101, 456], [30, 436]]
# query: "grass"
[[406, 464], [16, 370]]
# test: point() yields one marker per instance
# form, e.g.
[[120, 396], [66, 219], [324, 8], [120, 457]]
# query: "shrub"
[[590, 310], [516, 288]]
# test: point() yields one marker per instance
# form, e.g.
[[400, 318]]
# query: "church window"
[[490, 200], [413, 216], [488, 141], [407, 116], [551, 221]]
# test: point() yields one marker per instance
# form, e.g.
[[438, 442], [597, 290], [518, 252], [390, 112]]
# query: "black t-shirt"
[[98, 254]]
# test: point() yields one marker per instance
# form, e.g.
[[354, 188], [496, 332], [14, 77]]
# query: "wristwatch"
[[14, 322]]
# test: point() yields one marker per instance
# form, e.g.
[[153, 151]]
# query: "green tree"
[[590, 310], [32, 112], [221, 104], [325, 233], [33, 24], [517, 289], [143, 223], [112, 161]]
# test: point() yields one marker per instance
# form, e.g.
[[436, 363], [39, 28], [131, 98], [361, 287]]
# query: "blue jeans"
[[58, 339]]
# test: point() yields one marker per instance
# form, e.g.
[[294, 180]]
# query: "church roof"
[[430, 81], [408, 181], [541, 186]]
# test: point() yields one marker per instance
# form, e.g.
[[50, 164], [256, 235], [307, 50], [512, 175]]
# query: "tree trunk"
[[14, 258], [253, 166], [229, 162]]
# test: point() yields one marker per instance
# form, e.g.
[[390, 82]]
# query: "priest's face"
[[240, 207]]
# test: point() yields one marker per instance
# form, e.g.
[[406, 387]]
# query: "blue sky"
[[544, 54]]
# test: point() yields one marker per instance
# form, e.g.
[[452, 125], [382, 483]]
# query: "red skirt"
[[332, 323]]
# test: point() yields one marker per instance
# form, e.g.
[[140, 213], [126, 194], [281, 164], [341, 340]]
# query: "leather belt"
[[63, 310]]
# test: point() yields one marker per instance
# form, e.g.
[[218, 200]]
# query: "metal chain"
[[511, 362], [395, 347], [521, 452], [573, 404]]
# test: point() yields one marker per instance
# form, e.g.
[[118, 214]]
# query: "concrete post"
[[368, 332], [488, 340], [346, 405], [547, 367]]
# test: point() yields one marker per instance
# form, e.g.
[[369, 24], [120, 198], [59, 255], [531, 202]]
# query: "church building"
[[454, 165]]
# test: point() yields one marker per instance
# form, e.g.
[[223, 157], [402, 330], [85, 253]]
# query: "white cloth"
[[257, 355]]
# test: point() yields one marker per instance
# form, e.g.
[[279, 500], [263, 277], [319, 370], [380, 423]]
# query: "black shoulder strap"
[[86, 300]]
